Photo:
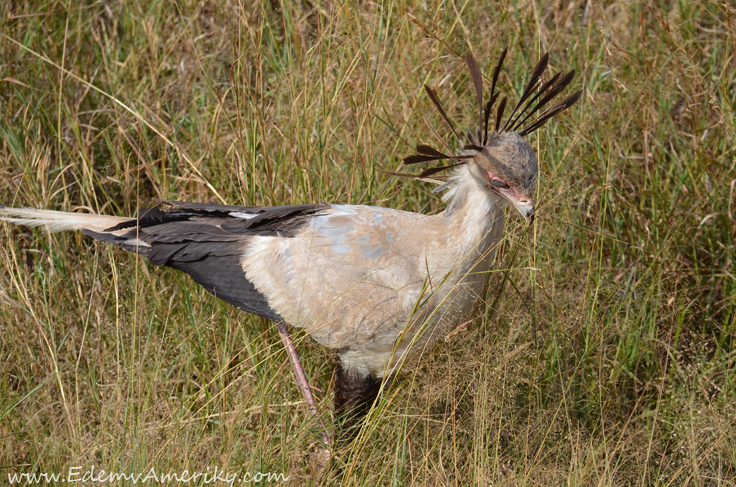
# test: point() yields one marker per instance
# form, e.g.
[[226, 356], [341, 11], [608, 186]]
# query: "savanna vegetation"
[[604, 351]]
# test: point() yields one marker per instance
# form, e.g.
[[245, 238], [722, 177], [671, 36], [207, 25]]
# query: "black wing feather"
[[208, 243]]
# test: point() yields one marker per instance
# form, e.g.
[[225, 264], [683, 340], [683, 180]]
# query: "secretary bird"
[[374, 284]]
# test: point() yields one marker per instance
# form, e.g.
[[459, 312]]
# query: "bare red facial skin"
[[495, 178], [510, 193]]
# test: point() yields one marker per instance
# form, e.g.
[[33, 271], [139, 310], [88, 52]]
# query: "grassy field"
[[605, 352]]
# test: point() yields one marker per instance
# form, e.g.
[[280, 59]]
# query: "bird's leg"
[[354, 396], [301, 377]]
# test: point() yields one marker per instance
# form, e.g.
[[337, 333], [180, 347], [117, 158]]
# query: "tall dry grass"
[[604, 354]]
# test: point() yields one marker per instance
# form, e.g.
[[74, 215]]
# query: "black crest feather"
[[566, 103], [530, 86], [494, 95], [558, 86], [499, 113], [478, 82], [542, 90], [426, 150], [436, 101], [524, 109]]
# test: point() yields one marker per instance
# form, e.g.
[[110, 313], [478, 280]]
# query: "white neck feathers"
[[472, 212]]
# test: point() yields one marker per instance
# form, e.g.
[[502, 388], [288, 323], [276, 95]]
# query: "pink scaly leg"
[[301, 377]]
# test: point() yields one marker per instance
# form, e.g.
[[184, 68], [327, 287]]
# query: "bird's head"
[[499, 159], [506, 166]]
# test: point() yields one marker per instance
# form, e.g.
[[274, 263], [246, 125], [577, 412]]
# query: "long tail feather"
[[58, 221]]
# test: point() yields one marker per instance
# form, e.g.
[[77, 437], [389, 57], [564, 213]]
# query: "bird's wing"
[[208, 242]]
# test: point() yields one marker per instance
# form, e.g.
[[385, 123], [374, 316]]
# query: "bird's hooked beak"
[[526, 208]]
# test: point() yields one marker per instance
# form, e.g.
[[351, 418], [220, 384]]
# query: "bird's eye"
[[500, 184]]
